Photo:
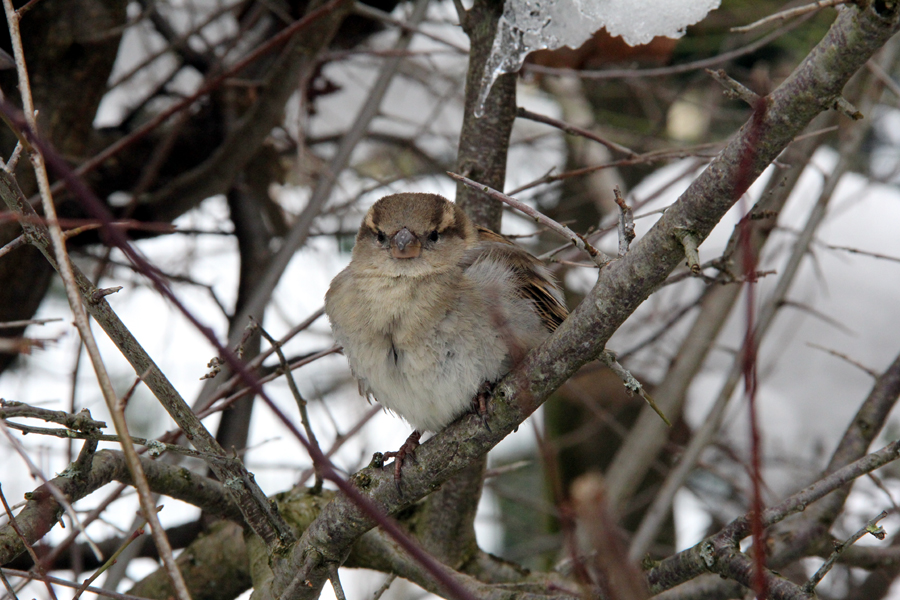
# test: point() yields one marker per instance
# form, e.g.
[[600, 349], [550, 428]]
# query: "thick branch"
[[621, 287], [647, 437], [42, 511], [257, 511], [484, 141], [223, 556]]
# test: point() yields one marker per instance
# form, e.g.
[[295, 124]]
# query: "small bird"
[[432, 310]]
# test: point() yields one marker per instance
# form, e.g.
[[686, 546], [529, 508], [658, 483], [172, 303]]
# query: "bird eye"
[[381, 237], [433, 236]]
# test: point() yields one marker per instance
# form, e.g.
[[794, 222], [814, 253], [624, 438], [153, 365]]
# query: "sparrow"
[[432, 310]]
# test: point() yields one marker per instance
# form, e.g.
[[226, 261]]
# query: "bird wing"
[[536, 282]]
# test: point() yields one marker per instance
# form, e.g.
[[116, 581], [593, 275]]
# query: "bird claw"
[[406, 450], [480, 402]]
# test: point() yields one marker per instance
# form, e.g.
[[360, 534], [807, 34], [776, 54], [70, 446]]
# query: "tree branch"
[[216, 174], [703, 557], [621, 287], [42, 511]]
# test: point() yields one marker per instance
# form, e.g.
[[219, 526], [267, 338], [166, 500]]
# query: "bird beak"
[[404, 244]]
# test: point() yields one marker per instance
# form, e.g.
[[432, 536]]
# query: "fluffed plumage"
[[431, 307]]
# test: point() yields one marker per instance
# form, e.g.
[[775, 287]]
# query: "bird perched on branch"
[[432, 309]]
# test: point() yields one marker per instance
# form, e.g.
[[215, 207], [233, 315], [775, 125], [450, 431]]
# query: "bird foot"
[[480, 402], [407, 449]]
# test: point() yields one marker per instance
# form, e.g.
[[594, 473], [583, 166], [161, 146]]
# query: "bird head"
[[412, 235]]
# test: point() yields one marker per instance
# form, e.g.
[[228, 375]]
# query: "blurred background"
[[212, 191]]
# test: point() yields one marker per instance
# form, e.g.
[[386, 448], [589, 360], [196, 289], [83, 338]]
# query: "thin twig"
[[884, 77], [599, 258], [846, 108], [504, 469], [14, 244], [667, 326], [26, 322], [846, 358], [241, 392], [180, 41], [788, 14], [81, 322], [674, 69], [818, 314], [28, 6], [54, 491], [82, 225], [23, 345], [13, 161], [863, 252], [336, 583], [155, 447], [880, 485], [380, 15], [523, 113], [733, 88], [649, 157], [71, 584], [110, 562], [871, 526], [384, 586], [608, 358], [342, 438], [689, 241], [9, 588], [258, 360], [301, 402]]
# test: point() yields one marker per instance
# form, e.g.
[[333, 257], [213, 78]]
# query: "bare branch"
[[523, 113], [623, 476], [259, 513], [821, 76], [789, 14], [871, 372], [870, 527], [72, 584], [631, 384], [304, 414], [65, 270], [675, 69], [25, 542], [734, 89], [599, 258], [704, 556]]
